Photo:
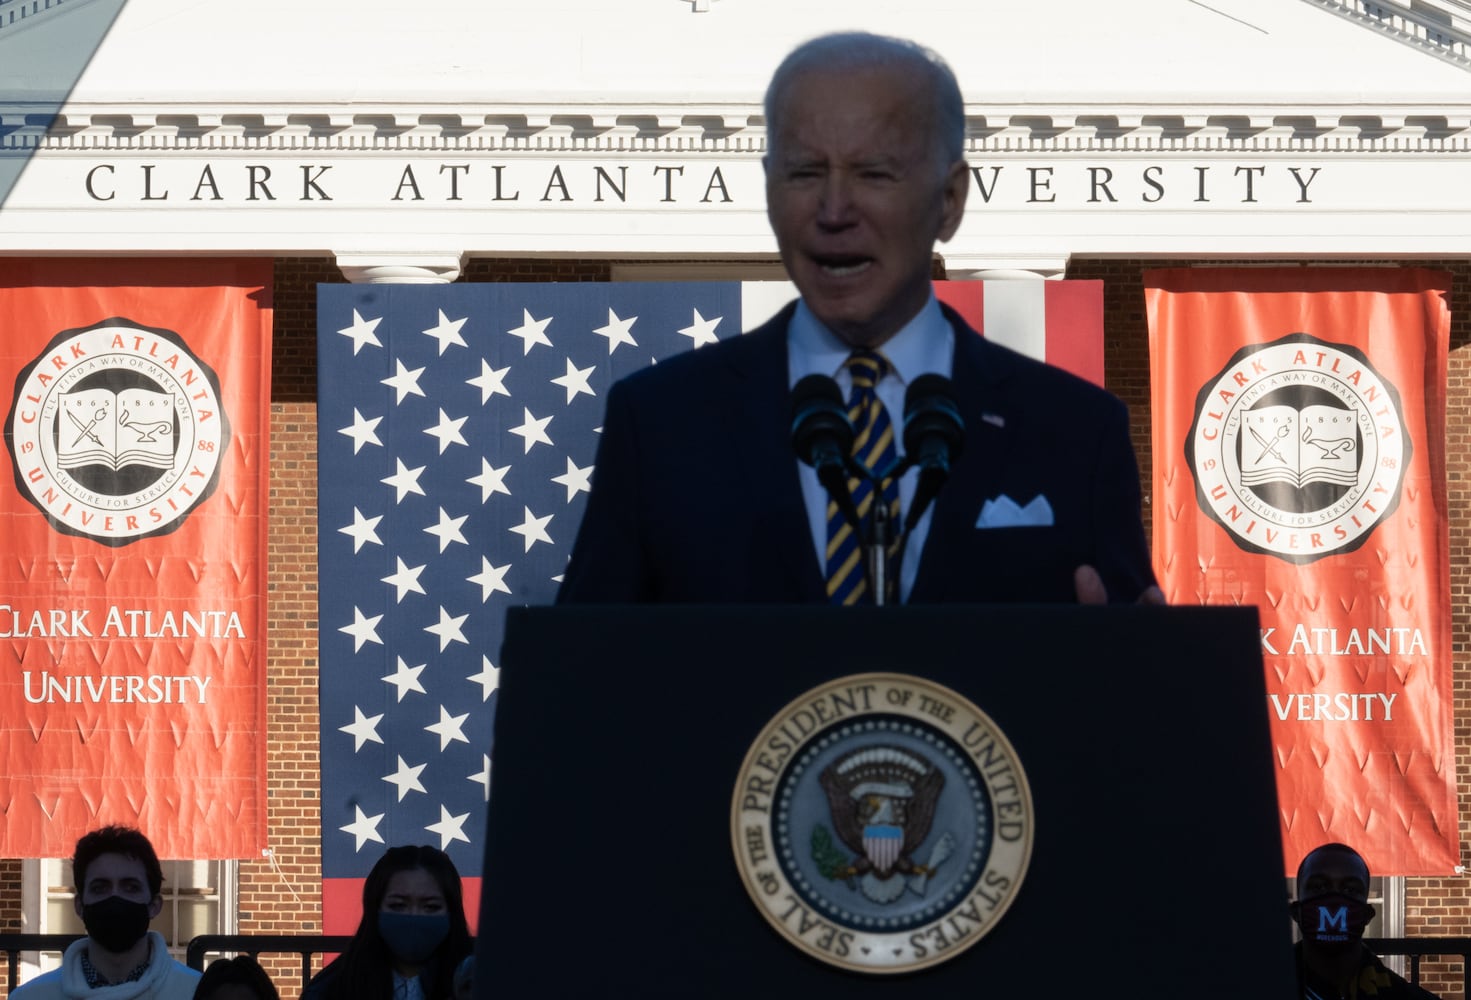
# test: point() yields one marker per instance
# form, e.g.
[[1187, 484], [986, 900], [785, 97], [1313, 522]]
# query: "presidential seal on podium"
[[882, 823]]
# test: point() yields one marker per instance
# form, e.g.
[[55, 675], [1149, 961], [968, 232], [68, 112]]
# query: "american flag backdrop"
[[457, 426]]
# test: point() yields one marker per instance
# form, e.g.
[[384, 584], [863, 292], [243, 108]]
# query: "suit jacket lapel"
[[762, 428], [978, 373]]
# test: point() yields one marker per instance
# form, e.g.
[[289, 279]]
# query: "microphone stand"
[[886, 530], [881, 536], [878, 552], [933, 436]]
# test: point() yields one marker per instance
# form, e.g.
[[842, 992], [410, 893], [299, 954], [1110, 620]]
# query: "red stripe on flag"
[[1074, 323], [342, 904], [1075, 327], [967, 298]]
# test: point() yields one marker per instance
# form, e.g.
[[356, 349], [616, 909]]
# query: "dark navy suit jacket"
[[695, 494]]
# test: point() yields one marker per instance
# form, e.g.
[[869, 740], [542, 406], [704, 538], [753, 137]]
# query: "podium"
[[1155, 865]]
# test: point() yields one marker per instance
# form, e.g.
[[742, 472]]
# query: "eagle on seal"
[[882, 801]]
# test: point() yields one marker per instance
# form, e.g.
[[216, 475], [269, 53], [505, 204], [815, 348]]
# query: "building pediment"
[[481, 52]]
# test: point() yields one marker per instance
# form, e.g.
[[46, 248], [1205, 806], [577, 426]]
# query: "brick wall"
[[282, 894]]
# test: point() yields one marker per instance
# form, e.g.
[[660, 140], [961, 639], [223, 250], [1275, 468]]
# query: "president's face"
[[857, 197]]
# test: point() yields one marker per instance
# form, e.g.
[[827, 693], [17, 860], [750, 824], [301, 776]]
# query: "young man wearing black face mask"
[[118, 879], [1332, 910]]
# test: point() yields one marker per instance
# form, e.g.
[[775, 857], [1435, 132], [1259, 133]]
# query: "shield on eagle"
[[882, 801]]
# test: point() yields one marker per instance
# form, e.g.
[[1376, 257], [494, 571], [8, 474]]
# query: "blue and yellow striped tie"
[[874, 448]]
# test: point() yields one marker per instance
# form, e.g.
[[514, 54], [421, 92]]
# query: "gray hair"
[[856, 51]]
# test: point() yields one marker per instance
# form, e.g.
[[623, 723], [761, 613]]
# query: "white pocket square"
[[1004, 512]]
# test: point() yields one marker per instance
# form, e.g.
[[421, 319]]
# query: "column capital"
[[406, 267], [991, 267]]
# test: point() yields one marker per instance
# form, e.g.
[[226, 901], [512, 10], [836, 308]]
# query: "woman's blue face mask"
[[413, 937]]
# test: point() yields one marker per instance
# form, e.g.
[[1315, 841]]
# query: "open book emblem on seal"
[[117, 431], [882, 823], [1298, 448]]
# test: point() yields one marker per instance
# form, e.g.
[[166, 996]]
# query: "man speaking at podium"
[[957, 471]]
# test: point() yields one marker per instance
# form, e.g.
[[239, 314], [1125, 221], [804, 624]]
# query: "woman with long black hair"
[[412, 936]]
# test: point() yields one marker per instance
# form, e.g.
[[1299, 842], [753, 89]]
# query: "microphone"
[[934, 435], [822, 436]]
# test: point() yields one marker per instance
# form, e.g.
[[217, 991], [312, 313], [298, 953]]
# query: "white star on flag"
[[447, 431], [618, 331], [363, 828], [533, 528], [488, 678], [362, 530], [490, 381], [363, 629], [490, 579], [406, 778], [405, 481], [362, 729], [448, 629], [449, 728], [491, 480], [447, 332], [577, 480], [702, 331], [362, 332], [405, 580], [532, 429], [404, 381], [449, 828], [483, 776], [531, 331], [448, 530], [362, 431], [575, 381], [406, 678]]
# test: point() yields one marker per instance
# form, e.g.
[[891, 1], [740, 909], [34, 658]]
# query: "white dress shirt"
[[925, 345]]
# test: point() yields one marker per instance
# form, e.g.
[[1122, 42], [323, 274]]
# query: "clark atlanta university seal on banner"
[[1298, 448], [116, 432], [882, 823]]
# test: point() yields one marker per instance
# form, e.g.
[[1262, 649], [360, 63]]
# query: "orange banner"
[[132, 553], [1299, 466]]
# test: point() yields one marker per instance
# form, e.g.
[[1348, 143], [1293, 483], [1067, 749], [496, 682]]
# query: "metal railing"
[[14, 944], [304, 945], [1417, 948], [307, 946]]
